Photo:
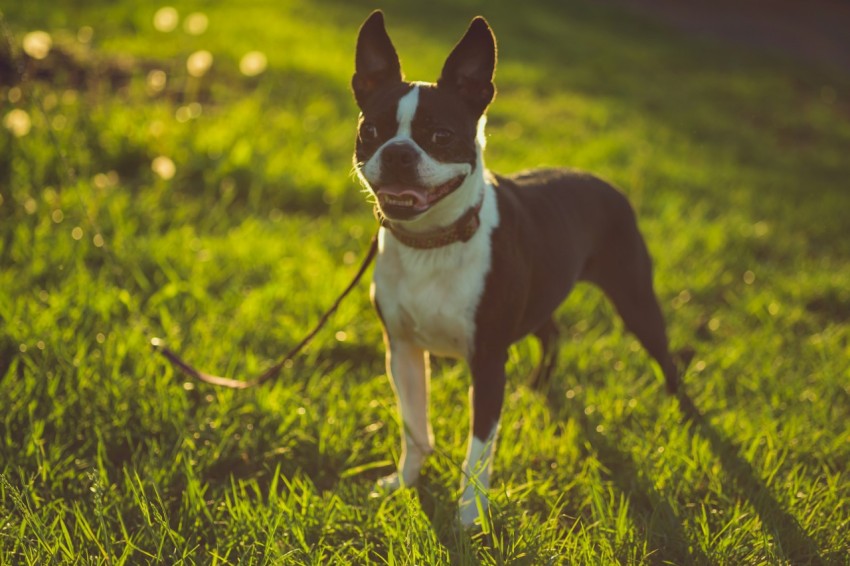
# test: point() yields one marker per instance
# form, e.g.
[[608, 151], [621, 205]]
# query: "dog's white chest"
[[430, 297]]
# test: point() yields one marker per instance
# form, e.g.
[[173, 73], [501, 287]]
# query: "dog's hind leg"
[[547, 335], [624, 273]]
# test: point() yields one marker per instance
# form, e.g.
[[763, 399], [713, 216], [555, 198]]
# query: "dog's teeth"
[[401, 201]]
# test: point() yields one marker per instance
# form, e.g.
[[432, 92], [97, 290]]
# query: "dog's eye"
[[442, 136], [368, 132]]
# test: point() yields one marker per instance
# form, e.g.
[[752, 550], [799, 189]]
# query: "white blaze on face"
[[406, 111], [429, 173]]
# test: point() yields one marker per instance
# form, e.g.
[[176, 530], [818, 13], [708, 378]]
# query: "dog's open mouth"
[[406, 201]]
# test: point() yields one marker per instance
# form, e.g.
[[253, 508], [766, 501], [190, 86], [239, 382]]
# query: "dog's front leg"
[[486, 397], [409, 371]]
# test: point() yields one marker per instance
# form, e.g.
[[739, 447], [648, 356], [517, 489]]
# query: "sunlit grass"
[[217, 211]]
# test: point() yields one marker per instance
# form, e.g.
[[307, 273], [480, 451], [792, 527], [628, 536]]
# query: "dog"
[[470, 262]]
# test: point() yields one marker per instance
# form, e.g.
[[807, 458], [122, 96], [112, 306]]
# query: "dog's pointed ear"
[[376, 61], [470, 66]]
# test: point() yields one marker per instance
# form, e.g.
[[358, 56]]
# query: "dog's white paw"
[[386, 485], [468, 516], [471, 504]]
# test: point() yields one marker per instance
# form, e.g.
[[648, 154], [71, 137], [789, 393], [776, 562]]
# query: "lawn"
[[219, 213]]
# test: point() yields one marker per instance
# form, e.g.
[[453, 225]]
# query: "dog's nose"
[[399, 156]]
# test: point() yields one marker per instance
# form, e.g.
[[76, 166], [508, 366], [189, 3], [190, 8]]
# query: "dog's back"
[[555, 226]]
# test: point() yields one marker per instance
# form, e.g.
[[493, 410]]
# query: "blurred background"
[[251, 104]]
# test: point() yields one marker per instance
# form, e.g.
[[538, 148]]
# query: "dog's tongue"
[[401, 193]]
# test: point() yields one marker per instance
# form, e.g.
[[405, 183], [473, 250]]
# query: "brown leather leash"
[[459, 231], [273, 371]]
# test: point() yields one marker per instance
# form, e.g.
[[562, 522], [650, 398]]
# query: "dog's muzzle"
[[402, 201]]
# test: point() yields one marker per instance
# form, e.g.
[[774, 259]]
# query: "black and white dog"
[[470, 262]]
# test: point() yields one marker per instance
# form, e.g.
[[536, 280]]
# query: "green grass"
[[735, 161]]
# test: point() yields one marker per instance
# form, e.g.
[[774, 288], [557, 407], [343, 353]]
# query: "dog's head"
[[419, 144]]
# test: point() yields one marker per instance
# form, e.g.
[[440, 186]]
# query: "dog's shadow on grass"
[[665, 529], [649, 509], [789, 534], [658, 517]]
